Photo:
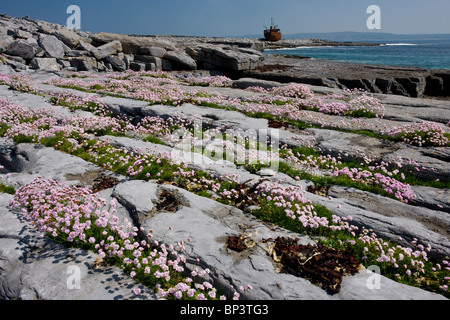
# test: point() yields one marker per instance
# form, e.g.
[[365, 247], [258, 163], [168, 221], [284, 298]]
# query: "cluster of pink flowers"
[[404, 262], [410, 262], [351, 102], [336, 108], [419, 134], [294, 96], [11, 113], [40, 124], [19, 82], [76, 215], [294, 90], [367, 104], [378, 175], [211, 81], [89, 103]]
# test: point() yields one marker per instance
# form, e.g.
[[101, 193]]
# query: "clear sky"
[[238, 17]]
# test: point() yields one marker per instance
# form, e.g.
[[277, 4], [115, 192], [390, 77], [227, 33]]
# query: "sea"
[[429, 54]]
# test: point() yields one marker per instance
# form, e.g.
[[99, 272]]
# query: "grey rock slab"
[[436, 199], [234, 119], [5, 68], [341, 143], [131, 44], [226, 57], [365, 286], [400, 229], [207, 224], [22, 49], [52, 164], [77, 53], [108, 49], [52, 45], [11, 159], [117, 63], [83, 45], [122, 211], [84, 63], [45, 64], [136, 66], [137, 145], [245, 83], [50, 271], [5, 41], [10, 224], [149, 59], [68, 36], [153, 51], [208, 232], [182, 59], [436, 221], [121, 105], [137, 196], [18, 33], [11, 249], [35, 102], [439, 114], [429, 167]]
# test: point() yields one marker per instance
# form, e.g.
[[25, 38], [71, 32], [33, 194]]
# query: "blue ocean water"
[[430, 54]]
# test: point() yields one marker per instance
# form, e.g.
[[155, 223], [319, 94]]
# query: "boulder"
[[157, 62], [117, 63], [166, 65], [84, 63], [84, 45], [108, 49], [181, 59], [137, 66], [68, 37], [153, 51], [224, 57], [77, 53], [18, 33], [5, 41], [22, 49], [17, 63], [130, 44], [52, 46], [138, 197], [45, 64], [5, 68]]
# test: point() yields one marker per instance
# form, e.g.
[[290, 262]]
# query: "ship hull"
[[272, 35]]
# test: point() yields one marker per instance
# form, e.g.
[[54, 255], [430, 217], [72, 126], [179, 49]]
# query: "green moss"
[[7, 189]]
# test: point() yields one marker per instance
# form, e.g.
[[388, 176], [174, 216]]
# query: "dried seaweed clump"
[[323, 266]]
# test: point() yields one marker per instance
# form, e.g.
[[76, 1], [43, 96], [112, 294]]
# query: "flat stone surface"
[[387, 223], [24, 257]]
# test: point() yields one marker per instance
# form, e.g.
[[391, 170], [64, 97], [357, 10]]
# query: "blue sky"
[[238, 17]]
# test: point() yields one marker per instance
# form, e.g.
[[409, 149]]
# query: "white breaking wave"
[[302, 47], [401, 44]]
